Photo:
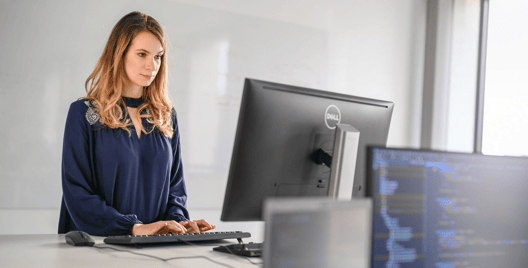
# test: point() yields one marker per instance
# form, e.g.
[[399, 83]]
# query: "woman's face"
[[142, 61]]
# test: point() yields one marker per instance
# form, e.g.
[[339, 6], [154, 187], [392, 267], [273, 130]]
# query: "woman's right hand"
[[159, 227]]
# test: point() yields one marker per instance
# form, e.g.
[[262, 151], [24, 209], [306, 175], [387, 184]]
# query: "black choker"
[[132, 102]]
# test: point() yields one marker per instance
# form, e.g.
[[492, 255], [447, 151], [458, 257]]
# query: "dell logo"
[[332, 116]]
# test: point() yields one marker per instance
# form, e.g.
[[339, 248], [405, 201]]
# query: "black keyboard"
[[173, 238]]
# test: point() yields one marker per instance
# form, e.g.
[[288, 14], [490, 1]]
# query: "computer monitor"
[[279, 127], [317, 232], [444, 209]]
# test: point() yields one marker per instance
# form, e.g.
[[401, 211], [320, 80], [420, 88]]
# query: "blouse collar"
[[132, 102]]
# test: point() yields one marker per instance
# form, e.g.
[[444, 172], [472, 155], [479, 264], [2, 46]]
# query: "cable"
[[228, 249], [174, 258]]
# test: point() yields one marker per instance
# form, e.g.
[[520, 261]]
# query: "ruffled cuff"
[[126, 223]]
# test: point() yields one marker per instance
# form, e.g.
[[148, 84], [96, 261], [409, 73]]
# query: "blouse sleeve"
[[176, 208], [81, 193]]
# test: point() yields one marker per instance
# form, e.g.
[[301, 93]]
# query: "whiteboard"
[[48, 49]]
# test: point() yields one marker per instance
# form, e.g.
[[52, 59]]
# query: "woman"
[[121, 165]]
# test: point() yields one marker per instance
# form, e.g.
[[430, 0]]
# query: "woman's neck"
[[133, 92]]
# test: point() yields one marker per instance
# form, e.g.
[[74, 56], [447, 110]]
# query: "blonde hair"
[[108, 78]]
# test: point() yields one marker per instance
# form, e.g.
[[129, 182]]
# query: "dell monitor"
[[279, 129], [445, 209]]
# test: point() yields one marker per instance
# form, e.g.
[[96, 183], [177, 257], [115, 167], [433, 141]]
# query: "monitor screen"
[[440, 209], [279, 127]]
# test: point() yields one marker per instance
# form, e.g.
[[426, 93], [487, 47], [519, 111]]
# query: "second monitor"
[[279, 129]]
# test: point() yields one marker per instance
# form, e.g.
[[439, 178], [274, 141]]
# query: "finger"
[[204, 225], [158, 227], [175, 227], [205, 229], [164, 230], [193, 226], [183, 229], [188, 227]]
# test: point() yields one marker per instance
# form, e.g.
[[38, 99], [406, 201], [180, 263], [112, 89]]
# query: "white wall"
[[363, 47]]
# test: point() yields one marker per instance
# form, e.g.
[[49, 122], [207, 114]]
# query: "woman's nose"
[[150, 64]]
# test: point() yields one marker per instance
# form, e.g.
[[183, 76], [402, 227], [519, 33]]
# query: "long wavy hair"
[[104, 87]]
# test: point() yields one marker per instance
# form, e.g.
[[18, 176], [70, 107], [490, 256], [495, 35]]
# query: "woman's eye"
[[159, 57], [141, 54]]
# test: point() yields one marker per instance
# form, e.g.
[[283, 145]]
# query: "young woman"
[[121, 165]]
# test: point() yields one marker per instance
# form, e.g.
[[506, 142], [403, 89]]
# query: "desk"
[[51, 250]]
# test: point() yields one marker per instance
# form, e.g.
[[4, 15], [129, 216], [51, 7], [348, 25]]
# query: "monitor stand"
[[249, 250], [344, 159], [342, 164]]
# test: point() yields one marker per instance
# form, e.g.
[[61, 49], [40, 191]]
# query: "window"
[[505, 125]]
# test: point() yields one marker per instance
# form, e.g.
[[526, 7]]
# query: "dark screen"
[[279, 126], [438, 209]]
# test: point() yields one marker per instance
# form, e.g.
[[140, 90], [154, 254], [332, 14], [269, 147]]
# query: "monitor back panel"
[[279, 127]]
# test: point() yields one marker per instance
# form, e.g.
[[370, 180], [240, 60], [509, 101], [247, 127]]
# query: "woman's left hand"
[[197, 226]]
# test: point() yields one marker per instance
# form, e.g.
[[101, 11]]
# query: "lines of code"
[[448, 210]]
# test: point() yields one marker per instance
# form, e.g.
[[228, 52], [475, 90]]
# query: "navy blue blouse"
[[112, 180]]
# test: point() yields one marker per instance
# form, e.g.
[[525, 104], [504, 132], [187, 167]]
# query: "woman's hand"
[[197, 226], [159, 227]]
